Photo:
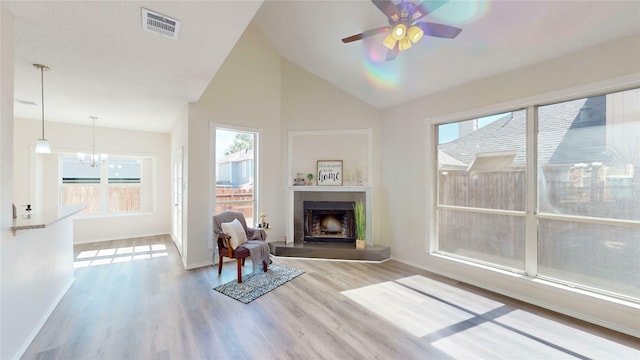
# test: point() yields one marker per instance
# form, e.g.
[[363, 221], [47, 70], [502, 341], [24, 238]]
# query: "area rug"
[[258, 283]]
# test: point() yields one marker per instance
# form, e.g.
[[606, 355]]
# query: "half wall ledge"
[[333, 251]]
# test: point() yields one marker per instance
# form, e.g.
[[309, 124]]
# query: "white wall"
[[7, 339], [405, 132], [255, 88], [246, 93], [310, 103], [73, 138]]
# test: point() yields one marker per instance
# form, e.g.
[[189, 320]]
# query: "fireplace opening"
[[329, 221]]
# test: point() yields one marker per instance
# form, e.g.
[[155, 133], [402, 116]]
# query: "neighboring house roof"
[[447, 162], [556, 144], [586, 141], [237, 156]]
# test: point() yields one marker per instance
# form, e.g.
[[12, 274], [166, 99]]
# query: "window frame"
[[256, 132], [146, 185], [532, 215]]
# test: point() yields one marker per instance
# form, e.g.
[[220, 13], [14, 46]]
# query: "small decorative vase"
[[361, 244]]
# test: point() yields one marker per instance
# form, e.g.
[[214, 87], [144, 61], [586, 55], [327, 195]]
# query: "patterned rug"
[[258, 283]]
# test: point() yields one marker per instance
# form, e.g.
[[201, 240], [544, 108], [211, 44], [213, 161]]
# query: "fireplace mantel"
[[331, 188], [320, 193]]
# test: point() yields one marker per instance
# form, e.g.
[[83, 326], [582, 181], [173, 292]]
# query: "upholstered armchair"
[[231, 231]]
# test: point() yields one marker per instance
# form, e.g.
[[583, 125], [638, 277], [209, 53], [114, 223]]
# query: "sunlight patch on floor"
[[119, 255], [464, 324], [404, 304], [479, 342], [573, 339]]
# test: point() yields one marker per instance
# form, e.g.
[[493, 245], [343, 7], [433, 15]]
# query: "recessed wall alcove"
[[354, 149]]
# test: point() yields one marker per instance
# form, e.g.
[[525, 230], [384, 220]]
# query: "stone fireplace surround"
[[299, 248], [299, 194]]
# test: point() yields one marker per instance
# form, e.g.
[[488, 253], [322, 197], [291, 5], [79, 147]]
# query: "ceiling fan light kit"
[[389, 41], [415, 34], [405, 31], [404, 44], [399, 31]]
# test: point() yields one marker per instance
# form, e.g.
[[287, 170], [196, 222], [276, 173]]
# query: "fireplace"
[[329, 221]]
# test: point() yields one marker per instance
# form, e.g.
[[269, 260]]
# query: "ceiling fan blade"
[[364, 34], [439, 30], [427, 7], [391, 54], [388, 8]]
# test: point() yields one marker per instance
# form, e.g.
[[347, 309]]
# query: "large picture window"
[[482, 189], [120, 185], [585, 224], [589, 213]]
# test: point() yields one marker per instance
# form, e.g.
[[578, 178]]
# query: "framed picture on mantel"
[[329, 173]]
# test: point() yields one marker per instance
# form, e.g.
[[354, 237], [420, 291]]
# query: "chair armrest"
[[224, 241]]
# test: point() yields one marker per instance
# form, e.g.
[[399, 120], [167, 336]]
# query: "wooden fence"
[[235, 199]]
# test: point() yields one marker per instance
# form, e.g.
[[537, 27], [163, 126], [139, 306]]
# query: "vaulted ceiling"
[[103, 64]]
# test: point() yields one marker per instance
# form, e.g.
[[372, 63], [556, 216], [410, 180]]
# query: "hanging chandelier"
[[42, 146], [95, 159]]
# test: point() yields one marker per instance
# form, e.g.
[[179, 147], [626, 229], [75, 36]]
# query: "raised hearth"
[[330, 251]]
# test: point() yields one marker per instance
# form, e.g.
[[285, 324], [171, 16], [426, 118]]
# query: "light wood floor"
[[133, 300]]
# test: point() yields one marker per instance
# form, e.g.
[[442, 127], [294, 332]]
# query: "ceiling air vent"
[[161, 24]]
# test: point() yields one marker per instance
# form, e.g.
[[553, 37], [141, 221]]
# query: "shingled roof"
[[556, 144]]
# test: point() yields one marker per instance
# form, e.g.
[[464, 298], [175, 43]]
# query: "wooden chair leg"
[[220, 265], [265, 266], [240, 261]]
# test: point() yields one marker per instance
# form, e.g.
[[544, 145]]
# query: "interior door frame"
[[177, 199]]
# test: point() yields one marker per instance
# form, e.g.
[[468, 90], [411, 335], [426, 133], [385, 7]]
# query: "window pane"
[[600, 256], [483, 162], [81, 185], [589, 156], [125, 171], [75, 171], [497, 239], [88, 195], [124, 189], [235, 151], [124, 198]]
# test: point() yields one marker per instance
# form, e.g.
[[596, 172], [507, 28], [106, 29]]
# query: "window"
[[114, 187], [482, 189], [235, 172], [81, 185], [588, 161], [587, 213], [124, 177]]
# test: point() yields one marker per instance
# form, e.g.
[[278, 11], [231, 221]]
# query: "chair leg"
[[220, 265], [265, 266], [243, 259], [240, 270]]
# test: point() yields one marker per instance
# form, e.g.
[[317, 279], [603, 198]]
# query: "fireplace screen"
[[329, 221]]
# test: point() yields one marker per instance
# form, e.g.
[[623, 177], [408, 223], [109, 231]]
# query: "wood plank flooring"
[[132, 299]]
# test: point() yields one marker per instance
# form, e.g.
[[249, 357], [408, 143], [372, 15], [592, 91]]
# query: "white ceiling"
[[103, 64]]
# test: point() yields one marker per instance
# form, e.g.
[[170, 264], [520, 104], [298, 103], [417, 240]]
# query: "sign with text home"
[[330, 172]]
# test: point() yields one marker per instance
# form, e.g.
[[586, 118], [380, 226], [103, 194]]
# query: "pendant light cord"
[[42, 87], [42, 70], [94, 160]]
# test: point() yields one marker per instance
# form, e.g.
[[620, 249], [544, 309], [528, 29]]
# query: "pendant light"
[[96, 159], [42, 146]]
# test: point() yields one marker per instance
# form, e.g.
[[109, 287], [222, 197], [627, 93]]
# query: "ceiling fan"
[[405, 31]]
